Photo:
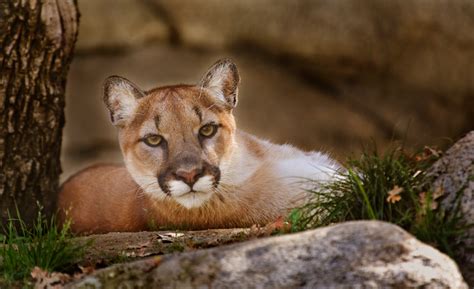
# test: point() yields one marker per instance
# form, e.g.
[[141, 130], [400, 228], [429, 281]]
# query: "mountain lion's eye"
[[208, 130], [153, 140]]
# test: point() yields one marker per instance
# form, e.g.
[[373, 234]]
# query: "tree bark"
[[107, 249], [37, 39]]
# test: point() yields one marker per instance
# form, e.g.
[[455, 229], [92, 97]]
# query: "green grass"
[[361, 192], [44, 244]]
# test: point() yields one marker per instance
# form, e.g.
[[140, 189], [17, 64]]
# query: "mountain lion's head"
[[174, 139]]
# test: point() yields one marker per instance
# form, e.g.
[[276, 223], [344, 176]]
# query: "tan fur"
[[253, 187], [105, 198], [97, 202]]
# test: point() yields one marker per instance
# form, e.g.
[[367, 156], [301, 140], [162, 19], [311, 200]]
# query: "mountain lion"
[[186, 164]]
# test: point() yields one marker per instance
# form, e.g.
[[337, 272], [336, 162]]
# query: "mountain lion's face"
[[174, 139]]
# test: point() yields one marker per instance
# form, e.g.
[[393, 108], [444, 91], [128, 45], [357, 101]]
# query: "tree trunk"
[[36, 44]]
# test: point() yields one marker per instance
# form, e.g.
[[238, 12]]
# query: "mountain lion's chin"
[[193, 199]]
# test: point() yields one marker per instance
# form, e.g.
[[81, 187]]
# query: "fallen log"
[[111, 248]]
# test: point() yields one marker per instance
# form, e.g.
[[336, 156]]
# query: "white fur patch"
[[147, 182], [304, 169], [193, 200], [215, 83], [218, 77], [239, 168], [181, 192], [149, 185], [314, 166], [217, 93], [122, 101], [204, 184], [178, 188]]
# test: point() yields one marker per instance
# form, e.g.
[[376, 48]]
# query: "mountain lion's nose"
[[189, 176]]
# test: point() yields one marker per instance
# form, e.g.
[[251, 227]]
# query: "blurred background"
[[320, 74]]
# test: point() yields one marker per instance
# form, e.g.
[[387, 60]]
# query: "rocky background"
[[328, 75]]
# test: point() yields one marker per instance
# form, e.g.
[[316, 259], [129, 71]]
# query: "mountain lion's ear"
[[223, 80], [121, 98]]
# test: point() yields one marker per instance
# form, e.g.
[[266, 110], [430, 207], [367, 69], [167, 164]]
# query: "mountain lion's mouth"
[[193, 192], [193, 199]]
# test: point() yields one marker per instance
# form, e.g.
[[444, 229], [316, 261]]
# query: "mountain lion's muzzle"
[[189, 174]]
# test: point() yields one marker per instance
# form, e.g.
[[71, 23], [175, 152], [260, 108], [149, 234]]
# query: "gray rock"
[[364, 254], [118, 24], [454, 172], [426, 44]]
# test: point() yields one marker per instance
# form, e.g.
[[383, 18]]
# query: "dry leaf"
[[278, 225], [438, 192], [46, 280], [86, 270], [428, 153], [394, 194], [431, 152], [255, 231]]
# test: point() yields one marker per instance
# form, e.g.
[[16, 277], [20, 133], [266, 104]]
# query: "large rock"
[[454, 173], [364, 254], [118, 24], [427, 44]]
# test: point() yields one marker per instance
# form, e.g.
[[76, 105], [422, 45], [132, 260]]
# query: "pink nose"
[[188, 176]]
